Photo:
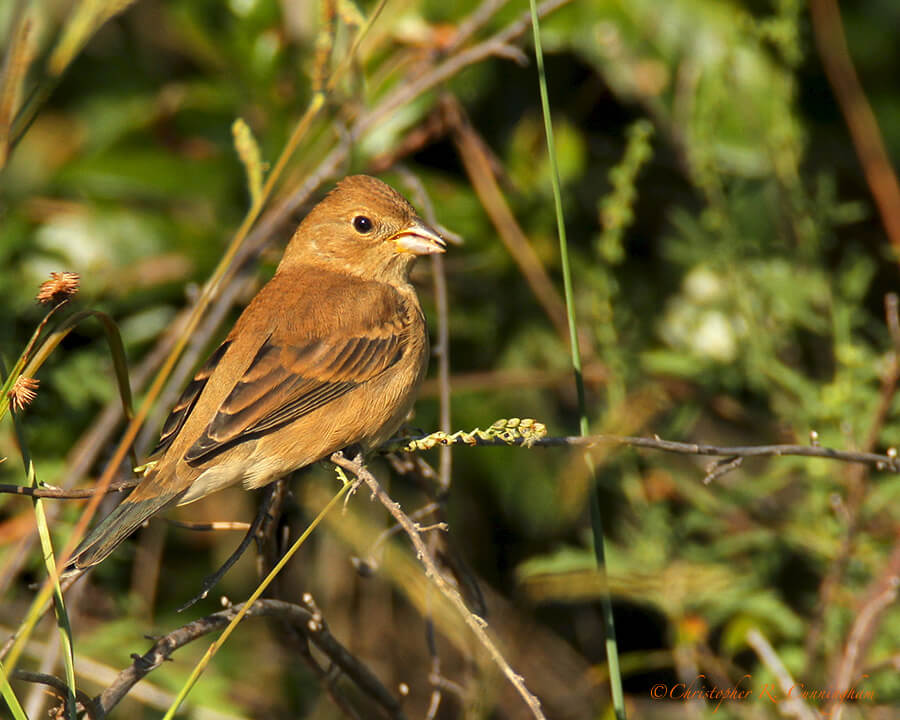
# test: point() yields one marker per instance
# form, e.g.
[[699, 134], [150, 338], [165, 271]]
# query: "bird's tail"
[[131, 513]]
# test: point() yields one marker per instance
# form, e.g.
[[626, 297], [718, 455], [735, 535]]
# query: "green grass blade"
[[12, 702], [62, 618], [9, 695], [612, 652]]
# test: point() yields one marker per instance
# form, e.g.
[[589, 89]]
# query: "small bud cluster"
[[512, 431]]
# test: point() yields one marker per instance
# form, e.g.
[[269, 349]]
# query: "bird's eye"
[[362, 224]]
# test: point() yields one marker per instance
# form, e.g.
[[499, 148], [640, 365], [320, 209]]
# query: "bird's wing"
[[182, 409], [290, 378]]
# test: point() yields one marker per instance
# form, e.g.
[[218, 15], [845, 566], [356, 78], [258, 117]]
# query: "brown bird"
[[328, 354]]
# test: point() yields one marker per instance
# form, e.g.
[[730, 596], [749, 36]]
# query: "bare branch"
[[94, 711], [887, 462], [302, 619]]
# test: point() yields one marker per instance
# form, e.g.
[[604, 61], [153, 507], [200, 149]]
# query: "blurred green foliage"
[[730, 274]]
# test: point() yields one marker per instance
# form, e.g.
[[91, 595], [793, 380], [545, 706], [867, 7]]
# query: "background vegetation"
[[733, 236]]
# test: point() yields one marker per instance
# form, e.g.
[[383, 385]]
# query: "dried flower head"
[[23, 391], [60, 286]]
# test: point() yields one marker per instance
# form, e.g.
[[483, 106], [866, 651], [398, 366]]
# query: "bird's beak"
[[419, 239]]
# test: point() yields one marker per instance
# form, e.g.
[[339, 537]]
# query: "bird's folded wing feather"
[[182, 409], [288, 380]]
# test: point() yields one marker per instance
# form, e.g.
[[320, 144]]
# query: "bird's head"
[[366, 228]]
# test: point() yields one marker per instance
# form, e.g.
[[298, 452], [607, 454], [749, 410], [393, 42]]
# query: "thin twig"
[[443, 356], [48, 491], [367, 566], [475, 21], [476, 624], [792, 705], [442, 347], [451, 563], [722, 467], [882, 593], [431, 129]]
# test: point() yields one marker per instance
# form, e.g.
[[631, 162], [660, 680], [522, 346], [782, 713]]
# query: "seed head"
[[23, 391], [60, 286]]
